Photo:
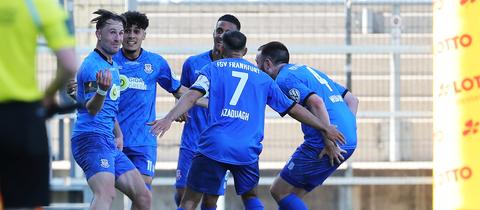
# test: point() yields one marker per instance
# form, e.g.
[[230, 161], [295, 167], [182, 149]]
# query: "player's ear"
[[268, 62], [144, 35], [98, 33], [244, 51]]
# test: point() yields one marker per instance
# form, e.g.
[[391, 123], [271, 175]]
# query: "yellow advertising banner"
[[456, 104]]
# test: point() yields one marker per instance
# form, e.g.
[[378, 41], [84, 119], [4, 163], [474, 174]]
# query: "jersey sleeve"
[[294, 88], [167, 79], [186, 73], [277, 100], [341, 89], [202, 83], [86, 82], [55, 25]]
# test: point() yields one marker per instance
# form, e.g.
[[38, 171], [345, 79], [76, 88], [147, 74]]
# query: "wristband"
[[101, 92]]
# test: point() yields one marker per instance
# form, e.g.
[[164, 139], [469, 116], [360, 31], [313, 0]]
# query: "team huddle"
[[222, 100]]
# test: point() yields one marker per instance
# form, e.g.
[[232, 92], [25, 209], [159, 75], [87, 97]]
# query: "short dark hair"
[[234, 40], [276, 51], [136, 18], [104, 16], [230, 18]]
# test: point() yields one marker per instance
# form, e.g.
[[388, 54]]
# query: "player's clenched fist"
[[104, 79]]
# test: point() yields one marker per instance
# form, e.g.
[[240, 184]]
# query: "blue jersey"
[[299, 82], [103, 121], [197, 122], [138, 79], [236, 112]]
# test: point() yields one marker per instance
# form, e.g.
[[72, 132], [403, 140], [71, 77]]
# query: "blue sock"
[[177, 199], [292, 202], [253, 204], [205, 208]]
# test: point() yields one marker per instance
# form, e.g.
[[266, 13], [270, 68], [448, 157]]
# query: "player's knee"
[[143, 200], [250, 194], [275, 192], [209, 201], [105, 195]]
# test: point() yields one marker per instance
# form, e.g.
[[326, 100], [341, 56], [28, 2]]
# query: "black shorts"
[[24, 156]]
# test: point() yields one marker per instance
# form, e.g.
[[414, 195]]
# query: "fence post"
[[395, 85]]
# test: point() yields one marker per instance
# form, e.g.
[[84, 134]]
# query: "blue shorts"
[[143, 157], [96, 153], [207, 175], [185, 157], [307, 171]]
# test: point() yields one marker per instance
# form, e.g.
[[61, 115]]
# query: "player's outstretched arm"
[[203, 102], [317, 107], [159, 127], [329, 132], [352, 102]]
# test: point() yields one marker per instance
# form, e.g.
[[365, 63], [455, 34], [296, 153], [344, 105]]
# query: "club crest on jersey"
[[179, 174], [148, 68], [104, 163], [294, 94]]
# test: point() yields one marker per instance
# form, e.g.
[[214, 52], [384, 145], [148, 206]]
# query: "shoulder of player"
[[154, 57], [193, 58], [90, 61]]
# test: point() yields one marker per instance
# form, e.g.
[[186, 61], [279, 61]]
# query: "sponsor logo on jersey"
[[114, 92]]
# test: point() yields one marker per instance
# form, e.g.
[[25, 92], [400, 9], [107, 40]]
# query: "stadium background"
[[380, 48]]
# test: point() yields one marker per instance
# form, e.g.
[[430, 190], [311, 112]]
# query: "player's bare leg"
[[103, 187], [132, 185], [190, 199], [281, 189], [251, 201]]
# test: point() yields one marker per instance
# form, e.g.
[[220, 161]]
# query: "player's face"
[[263, 64], [220, 29], [133, 37], [260, 60], [110, 37]]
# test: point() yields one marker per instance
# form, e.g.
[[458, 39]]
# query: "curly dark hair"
[[136, 18]]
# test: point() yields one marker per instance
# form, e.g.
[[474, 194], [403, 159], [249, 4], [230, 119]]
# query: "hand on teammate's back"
[[333, 151], [332, 134]]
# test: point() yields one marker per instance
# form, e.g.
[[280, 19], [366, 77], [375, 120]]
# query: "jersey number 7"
[[241, 84]]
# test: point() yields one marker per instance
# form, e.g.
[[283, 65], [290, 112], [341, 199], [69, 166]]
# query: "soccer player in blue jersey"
[[140, 71], [326, 99], [93, 144], [197, 120], [239, 92]]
